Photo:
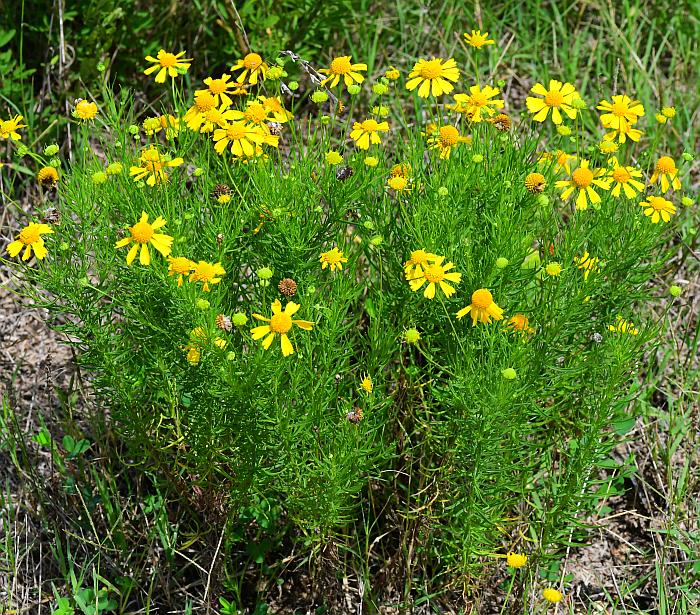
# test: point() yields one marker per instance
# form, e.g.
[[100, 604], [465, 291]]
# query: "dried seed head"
[[219, 190], [223, 322], [502, 122], [343, 173], [356, 415], [287, 287], [52, 216], [219, 239]]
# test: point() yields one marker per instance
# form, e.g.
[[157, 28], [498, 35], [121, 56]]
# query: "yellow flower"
[[153, 165], [280, 324], [608, 147], [621, 113], [658, 208], [203, 114], [411, 336], [666, 173], [275, 109], [9, 128], [477, 40], [333, 157], [152, 125], [669, 112], [254, 113], [434, 274], [558, 97], [622, 134], [200, 339], [419, 259], [552, 595], [367, 385], [167, 64], [521, 323], [587, 263], [399, 183], [220, 89], [143, 233], [516, 560], [171, 125], [553, 269], [343, 67], [244, 139], [207, 273], [392, 74], [535, 183], [371, 161], [433, 76], [624, 326], [252, 67], [47, 176], [85, 110], [477, 102], [180, 266], [364, 133], [333, 258], [624, 179], [30, 239], [583, 179], [482, 308], [446, 138]]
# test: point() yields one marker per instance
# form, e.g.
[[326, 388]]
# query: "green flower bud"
[[509, 373], [133, 129], [687, 156], [477, 158], [54, 162], [101, 68], [354, 89], [687, 201], [564, 131], [442, 191], [319, 96], [579, 103], [22, 150], [239, 319], [231, 356], [380, 89], [675, 290], [542, 200], [311, 290], [64, 246], [202, 304], [412, 335], [502, 262], [293, 85], [325, 120], [275, 72], [115, 168], [376, 240], [368, 224], [51, 150], [265, 273], [198, 172], [98, 178]]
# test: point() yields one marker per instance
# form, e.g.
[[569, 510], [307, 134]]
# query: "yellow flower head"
[[30, 239], [419, 259], [433, 76], [364, 133], [180, 266], [333, 258], [587, 263], [482, 308], [85, 110], [435, 274], [658, 208], [535, 183], [584, 179], [9, 128], [254, 113], [275, 109], [398, 183], [219, 89], [666, 173], [200, 339], [502, 122], [245, 140], [559, 97], [445, 138], [143, 233], [153, 165], [343, 67], [167, 64], [478, 103], [333, 157], [516, 560], [209, 273], [621, 113], [204, 113], [624, 326], [252, 69], [520, 323], [367, 385], [392, 74], [553, 269], [552, 595], [622, 133], [477, 40], [47, 176], [280, 324], [625, 179], [152, 125]]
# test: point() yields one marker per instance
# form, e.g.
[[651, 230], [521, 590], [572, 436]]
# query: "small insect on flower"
[[252, 69], [9, 128], [280, 324], [180, 266], [482, 308], [658, 209], [30, 239], [208, 273], [433, 76], [559, 97], [666, 173], [435, 274], [535, 183], [223, 322], [167, 64], [333, 258], [47, 176], [364, 133], [84, 109], [624, 326], [478, 40], [342, 67], [143, 233]]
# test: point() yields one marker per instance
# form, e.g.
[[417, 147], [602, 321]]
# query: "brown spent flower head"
[[356, 415], [502, 122], [223, 322], [287, 287], [220, 190]]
